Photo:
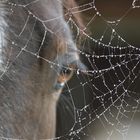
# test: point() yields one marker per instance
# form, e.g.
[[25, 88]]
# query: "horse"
[[37, 58]]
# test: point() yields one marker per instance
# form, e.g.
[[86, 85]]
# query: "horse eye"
[[64, 75], [66, 71]]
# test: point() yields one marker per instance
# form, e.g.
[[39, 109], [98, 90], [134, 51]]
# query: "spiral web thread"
[[115, 101]]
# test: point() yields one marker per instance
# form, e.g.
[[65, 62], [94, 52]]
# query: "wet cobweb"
[[102, 103]]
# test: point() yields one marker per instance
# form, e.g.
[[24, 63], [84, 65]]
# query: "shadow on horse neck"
[[37, 56]]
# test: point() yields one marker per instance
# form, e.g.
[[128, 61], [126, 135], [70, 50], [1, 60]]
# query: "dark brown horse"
[[37, 57]]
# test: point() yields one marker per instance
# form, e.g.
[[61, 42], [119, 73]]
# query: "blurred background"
[[104, 105]]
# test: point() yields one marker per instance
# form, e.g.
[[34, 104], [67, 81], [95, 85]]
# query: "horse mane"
[[3, 26]]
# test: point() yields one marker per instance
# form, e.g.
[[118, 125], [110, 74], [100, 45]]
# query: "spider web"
[[111, 82]]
